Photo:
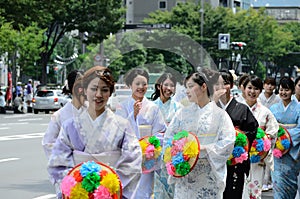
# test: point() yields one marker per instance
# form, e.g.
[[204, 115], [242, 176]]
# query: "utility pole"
[[201, 32]]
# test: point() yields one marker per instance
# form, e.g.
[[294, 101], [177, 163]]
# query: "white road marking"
[[8, 159], [22, 136], [30, 119], [46, 196], [4, 128], [12, 124]]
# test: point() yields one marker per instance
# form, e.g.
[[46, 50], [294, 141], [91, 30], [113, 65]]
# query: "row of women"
[[86, 129]]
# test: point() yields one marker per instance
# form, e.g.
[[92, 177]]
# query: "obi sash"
[[108, 157]]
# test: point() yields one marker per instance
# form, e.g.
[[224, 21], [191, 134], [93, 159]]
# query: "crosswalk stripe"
[[19, 137], [8, 159]]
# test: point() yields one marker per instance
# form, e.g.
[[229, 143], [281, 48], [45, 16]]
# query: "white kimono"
[[267, 121], [216, 133], [108, 139], [149, 121], [58, 117]]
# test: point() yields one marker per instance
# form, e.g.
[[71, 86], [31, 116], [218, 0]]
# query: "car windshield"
[[45, 93]]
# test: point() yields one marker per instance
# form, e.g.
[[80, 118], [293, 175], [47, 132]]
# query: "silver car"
[[47, 100]]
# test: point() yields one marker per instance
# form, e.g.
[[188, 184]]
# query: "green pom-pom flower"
[[260, 133], [281, 131], [241, 140], [180, 135], [91, 182], [183, 168], [155, 141]]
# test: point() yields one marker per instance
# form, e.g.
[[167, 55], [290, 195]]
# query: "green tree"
[[98, 18]]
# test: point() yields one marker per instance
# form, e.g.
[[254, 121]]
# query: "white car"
[[47, 100]]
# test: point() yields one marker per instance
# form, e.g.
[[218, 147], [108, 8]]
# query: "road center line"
[[8, 159]]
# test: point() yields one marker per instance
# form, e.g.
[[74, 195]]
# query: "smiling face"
[[97, 93], [167, 89], [285, 93], [297, 88], [251, 94], [139, 87]]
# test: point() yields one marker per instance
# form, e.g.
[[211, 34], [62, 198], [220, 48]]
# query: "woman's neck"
[[286, 102], [203, 102], [137, 98], [297, 96], [251, 103], [163, 99], [267, 94], [95, 113]]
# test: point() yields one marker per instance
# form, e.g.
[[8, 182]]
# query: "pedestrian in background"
[[18, 104], [296, 95], [2, 103], [28, 96], [145, 118], [287, 167]]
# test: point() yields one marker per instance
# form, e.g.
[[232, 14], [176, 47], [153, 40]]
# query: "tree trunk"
[[44, 61]]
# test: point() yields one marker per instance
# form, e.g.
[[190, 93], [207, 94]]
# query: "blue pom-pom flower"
[[238, 151], [89, 167]]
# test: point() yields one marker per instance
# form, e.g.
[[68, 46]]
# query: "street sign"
[[224, 41], [147, 26]]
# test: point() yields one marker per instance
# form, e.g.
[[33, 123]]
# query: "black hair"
[[287, 83], [227, 77], [71, 78], [255, 81], [207, 76], [297, 80], [159, 82], [133, 73], [270, 80]]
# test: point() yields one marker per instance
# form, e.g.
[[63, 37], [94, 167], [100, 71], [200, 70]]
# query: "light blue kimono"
[[286, 168], [149, 115]]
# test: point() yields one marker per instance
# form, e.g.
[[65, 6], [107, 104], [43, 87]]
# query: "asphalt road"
[[22, 160]]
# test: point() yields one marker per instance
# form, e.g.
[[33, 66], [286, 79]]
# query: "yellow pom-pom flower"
[[111, 182], [157, 152], [191, 149], [143, 145], [167, 155], [78, 192], [279, 145]]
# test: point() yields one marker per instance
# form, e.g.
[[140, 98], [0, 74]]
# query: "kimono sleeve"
[[129, 164], [61, 158], [219, 152], [271, 125], [51, 135]]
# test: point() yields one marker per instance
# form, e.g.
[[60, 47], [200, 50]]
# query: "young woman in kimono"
[[144, 116], [98, 134], [70, 109], [165, 87], [286, 168], [266, 120], [244, 120], [216, 135]]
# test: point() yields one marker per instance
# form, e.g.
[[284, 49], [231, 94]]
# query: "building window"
[[162, 5]]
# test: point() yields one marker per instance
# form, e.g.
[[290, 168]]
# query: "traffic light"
[[238, 45]]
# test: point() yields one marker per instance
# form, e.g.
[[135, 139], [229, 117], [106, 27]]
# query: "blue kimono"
[[286, 168]]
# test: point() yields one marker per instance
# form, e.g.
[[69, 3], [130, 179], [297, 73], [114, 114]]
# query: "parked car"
[[47, 100]]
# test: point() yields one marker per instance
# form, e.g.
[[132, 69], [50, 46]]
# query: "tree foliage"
[[98, 18], [266, 40]]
